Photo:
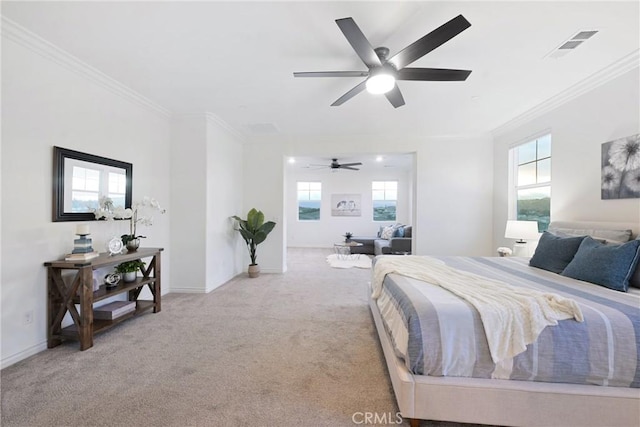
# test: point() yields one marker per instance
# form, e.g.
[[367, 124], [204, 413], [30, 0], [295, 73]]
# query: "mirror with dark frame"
[[81, 179]]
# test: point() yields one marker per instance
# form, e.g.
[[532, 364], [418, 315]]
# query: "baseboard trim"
[[11, 360]]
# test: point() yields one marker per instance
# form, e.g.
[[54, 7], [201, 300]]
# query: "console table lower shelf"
[[63, 298]]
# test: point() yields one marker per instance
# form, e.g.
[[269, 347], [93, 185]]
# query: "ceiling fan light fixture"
[[381, 82]]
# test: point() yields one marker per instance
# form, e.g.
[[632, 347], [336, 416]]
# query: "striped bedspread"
[[439, 334]]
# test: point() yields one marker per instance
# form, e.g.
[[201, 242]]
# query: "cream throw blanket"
[[512, 317]]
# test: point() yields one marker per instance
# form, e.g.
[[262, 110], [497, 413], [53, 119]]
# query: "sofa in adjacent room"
[[393, 239]]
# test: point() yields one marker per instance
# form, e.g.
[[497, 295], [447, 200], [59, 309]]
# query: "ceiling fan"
[[383, 71], [334, 165]]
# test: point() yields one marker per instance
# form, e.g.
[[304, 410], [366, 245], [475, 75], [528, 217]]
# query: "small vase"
[[129, 276], [254, 270], [133, 245]]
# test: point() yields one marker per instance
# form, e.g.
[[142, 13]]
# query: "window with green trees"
[[309, 198], [531, 197], [384, 195]]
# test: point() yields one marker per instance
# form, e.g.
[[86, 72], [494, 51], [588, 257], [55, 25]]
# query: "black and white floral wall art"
[[621, 168]]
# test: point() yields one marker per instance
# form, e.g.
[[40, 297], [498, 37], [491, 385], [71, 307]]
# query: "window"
[[89, 182], [384, 196], [85, 188], [531, 197], [117, 188], [309, 198]]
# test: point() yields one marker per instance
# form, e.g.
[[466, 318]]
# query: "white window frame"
[[309, 194], [384, 199], [103, 182], [513, 174]]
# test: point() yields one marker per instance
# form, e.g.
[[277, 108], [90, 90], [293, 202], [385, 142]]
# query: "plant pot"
[[133, 245], [130, 276], [254, 270]]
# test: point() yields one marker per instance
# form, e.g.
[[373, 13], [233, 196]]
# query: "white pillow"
[[387, 232], [609, 236]]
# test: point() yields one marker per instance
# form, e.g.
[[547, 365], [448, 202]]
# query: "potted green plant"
[[347, 237], [254, 231], [129, 269]]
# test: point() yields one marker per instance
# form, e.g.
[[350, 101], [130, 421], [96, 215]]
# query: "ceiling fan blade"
[[359, 42], [433, 74], [395, 97], [426, 44], [350, 164], [331, 74], [348, 167], [347, 96]]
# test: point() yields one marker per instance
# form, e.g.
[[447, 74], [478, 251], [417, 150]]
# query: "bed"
[[561, 379]]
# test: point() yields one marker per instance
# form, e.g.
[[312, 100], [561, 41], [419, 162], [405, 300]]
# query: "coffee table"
[[343, 250]]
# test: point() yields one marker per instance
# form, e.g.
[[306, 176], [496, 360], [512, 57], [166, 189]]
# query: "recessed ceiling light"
[[292, 160], [378, 158]]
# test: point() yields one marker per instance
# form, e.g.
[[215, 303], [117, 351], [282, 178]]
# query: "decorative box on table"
[[113, 310]]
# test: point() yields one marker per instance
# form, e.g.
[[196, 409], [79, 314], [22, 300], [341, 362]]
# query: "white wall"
[[453, 189], [206, 188], [263, 177], [189, 202], [454, 194], [330, 229], [578, 130], [44, 104], [224, 199]]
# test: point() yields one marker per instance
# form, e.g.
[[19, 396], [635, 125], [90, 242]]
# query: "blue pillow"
[[399, 232], [606, 265], [635, 277], [554, 253]]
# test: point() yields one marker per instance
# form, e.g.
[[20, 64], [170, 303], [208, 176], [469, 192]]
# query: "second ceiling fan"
[[384, 72]]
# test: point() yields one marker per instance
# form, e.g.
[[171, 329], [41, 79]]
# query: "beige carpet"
[[297, 349], [349, 261]]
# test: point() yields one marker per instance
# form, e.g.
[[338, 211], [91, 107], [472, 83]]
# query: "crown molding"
[[217, 121], [212, 119], [20, 35], [597, 79]]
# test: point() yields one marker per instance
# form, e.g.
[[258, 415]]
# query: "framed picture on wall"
[[346, 205], [621, 168]]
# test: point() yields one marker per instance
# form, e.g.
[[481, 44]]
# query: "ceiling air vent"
[[568, 45]]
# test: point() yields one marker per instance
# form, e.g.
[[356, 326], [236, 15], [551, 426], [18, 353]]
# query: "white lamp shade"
[[380, 83], [521, 230], [82, 229]]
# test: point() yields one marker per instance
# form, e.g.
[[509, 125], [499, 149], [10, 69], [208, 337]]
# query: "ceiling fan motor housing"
[[382, 52]]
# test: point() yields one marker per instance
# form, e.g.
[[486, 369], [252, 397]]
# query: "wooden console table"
[[63, 298]]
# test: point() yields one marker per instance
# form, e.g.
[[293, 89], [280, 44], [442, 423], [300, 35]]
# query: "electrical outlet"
[[28, 317]]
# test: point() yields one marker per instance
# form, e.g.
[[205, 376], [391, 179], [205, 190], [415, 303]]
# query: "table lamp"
[[83, 245], [521, 230]]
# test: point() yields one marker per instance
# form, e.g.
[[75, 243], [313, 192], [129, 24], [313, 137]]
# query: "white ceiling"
[[236, 59], [370, 162]]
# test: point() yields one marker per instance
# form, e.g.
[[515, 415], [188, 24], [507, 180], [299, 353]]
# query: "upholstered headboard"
[[590, 226], [609, 232]]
